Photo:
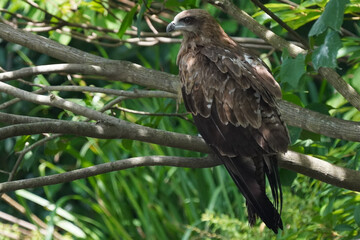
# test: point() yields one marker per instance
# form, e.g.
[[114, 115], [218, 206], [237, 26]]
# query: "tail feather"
[[271, 171], [245, 175]]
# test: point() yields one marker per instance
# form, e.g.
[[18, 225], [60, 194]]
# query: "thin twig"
[[150, 25], [180, 115], [16, 100], [23, 153]]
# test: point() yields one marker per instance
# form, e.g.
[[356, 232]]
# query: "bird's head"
[[188, 21], [198, 25]]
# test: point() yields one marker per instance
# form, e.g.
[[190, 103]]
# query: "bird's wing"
[[242, 90]]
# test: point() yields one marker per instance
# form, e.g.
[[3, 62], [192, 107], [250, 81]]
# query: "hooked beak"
[[171, 27]]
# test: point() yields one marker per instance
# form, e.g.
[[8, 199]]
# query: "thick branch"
[[310, 166], [319, 123], [105, 131], [129, 130], [306, 165], [321, 170], [117, 70], [79, 69], [345, 89], [108, 167]]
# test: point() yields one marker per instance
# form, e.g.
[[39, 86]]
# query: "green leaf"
[[140, 16], [291, 97], [184, 3], [332, 17], [320, 108], [327, 209], [325, 55], [355, 82], [343, 228], [229, 26], [294, 133], [61, 38], [127, 21], [127, 144], [287, 177], [292, 69], [357, 215]]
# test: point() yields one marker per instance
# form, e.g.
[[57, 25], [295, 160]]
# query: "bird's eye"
[[188, 20]]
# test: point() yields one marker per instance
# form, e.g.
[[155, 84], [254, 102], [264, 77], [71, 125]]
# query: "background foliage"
[[167, 202]]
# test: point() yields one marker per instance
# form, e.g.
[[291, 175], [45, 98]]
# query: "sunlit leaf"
[[325, 55], [127, 21], [61, 38], [140, 15], [291, 97], [292, 69], [327, 209], [332, 17], [357, 215]]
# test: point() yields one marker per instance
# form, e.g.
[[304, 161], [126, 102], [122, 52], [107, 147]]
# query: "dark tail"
[[249, 176]]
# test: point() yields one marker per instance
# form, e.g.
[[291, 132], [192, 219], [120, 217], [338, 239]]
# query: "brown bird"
[[232, 97]]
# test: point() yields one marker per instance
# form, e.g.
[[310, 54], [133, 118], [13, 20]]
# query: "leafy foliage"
[[166, 202]]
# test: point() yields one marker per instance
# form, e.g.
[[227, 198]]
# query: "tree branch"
[[307, 165], [132, 73], [310, 166], [108, 128], [321, 170], [319, 123], [105, 131], [292, 114], [53, 68], [347, 91], [79, 69], [116, 70]]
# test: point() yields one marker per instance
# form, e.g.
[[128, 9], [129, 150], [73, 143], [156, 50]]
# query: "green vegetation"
[[168, 202]]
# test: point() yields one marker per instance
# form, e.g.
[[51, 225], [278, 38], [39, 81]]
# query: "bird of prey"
[[232, 96]]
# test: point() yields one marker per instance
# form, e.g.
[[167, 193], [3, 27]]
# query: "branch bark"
[[307, 165], [116, 70], [321, 170], [310, 166], [319, 123], [104, 131]]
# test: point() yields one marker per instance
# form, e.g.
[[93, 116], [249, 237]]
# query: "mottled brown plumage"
[[232, 97]]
